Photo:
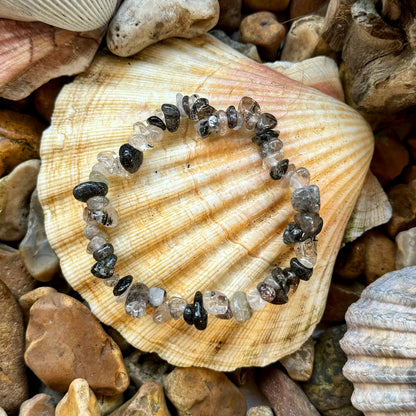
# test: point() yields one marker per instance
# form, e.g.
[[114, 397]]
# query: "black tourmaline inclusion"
[[172, 116], [86, 190], [122, 285], [104, 268], [130, 158], [196, 314]]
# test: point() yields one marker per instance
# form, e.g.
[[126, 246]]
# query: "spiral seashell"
[[200, 214], [381, 346]]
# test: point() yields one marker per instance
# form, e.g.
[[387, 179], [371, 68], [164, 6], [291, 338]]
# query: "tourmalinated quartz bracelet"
[[301, 232]]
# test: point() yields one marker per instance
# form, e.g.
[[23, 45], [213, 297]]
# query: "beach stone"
[[37, 254], [328, 389], [260, 411], [148, 401], [403, 201], [13, 272], [13, 382], [300, 8], [406, 248], [389, 158], [28, 299], [263, 30], [2, 412], [64, 341], [15, 191], [230, 15], [19, 139], [38, 405], [200, 391], [299, 364], [350, 262], [137, 25], [284, 395], [269, 5], [108, 404], [80, 400]]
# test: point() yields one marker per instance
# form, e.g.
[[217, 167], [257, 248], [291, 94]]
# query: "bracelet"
[[301, 233]]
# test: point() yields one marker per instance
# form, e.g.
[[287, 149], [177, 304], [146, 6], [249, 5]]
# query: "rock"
[[137, 25], [389, 158], [28, 299], [143, 367], [148, 401], [269, 5], [230, 15], [340, 297], [303, 41], [108, 404], [350, 262], [409, 173], [200, 391], [19, 139], [328, 389], [247, 49], [263, 30], [65, 341], [55, 396], [35, 52], [38, 405], [13, 272], [13, 382], [260, 411], [284, 395], [301, 8], [80, 400], [406, 248], [37, 254], [15, 189], [380, 255], [300, 363], [403, 201], [2, 412]]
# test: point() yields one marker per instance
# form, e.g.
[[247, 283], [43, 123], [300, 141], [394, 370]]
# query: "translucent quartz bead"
[[300, 178], [222, 123], [291, 169], [136, 300], [310, 223], [191, 101], [122, 298], [102, 252], [176, 307], [272, 160], [213, 123], [268, 289], [153, 135], [139, 142], [254, 299], [92, 230], [97, 202], [109, 164], [107, 217], [104, 268], [228, 314], [306, 199], [96, 176], [240, 122], [215, 303], [139, 127], [157, 296], [240, 308], [179, 99], [266, 121], [306, 252], [111, 281], [206, 111], [95, 243], [202, 128], [250, 110], [162, 314], [157, 113]]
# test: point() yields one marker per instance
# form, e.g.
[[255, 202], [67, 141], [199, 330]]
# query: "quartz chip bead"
[[293, 233], [136, 300], [162, 314], [97, 202], [232, 117], [112, 281], [172, 117], [309, 222], [188, 102], [95, 244], [283, 277], [300, 178], [157, 296], [254, 299], [176, 307], [250, 110], [285, 182], [271, 291], [107, 217], [240, 307], [306, 252], [156, 121], [196, 107], [215, 303], [279, 170], [306, 199], [179, 104], [302, 272], [104, 268], [110, 165], [92, 230], [266, 121], [96, 176], [195, 314], [122, 285], [86, 190], [102, 252], [202, 127], [130, 158]]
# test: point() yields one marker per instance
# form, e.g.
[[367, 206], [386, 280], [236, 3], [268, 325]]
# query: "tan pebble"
[[230, 15], [299, 364], [28, 299], [390, 157], [2, 412], [148, 401], [270, 5], [406, 248], [262, 29], [108, 404], [195, 391], [300, 8], [20, 139], [15, 190], [88, 352], [13, 271], [260, 411], [39, 405], [13, 382], [79, 401], [350, 262]]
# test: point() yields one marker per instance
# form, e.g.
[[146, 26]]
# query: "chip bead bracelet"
[[301, 233]]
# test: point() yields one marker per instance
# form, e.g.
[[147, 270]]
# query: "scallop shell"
[[201, 214], [381, 346], [75, 15]]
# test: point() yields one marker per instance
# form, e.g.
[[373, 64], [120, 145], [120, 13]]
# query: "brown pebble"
[[230, 15], [300, 8], [262, 29], [409, 173], [299, 364], [65, 341], [39, 405], [269, 5], [350, 262], [28, 299]]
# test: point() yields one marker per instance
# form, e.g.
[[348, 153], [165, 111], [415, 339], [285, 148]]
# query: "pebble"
[[28, 299], [200, 391], [269, 5], [13, 382], [230, 15], [108, 404], [20, 139], [328, 389], [260, 411], [80, 400], [13, 272], [350, 262], [138, 25], [2, 412], [263, 30], [148, 401], [39, 405], [15, 191], [406, 248], [284, 395], [299, 364], [37, 254], [303, 39], [88, 353], [300, 8]]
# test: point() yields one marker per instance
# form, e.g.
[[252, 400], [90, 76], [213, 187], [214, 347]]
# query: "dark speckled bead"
[[232, 117], [122, 285], [156, 121], [279, 170], [196, 314], [266, 121], [172, 116], [130, 158], [198, 105], [104, 251], [104, 268], [304, 273], [265, 136], [86, 190], [293, 234]]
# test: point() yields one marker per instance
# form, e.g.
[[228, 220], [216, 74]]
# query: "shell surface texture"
[[381, 346], [200, 214]]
